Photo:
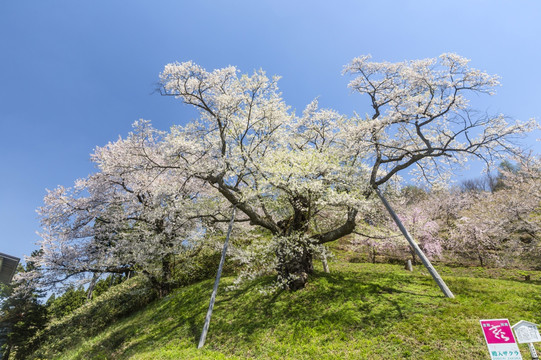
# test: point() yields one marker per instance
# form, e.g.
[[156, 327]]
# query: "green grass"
[[358, 311]]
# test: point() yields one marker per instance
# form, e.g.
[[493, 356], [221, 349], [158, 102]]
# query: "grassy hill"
[[358, 311]]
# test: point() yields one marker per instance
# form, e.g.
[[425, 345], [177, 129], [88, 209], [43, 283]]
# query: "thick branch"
[[229, 194], [343, 230]]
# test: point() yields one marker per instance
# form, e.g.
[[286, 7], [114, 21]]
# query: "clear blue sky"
[[76, 74]]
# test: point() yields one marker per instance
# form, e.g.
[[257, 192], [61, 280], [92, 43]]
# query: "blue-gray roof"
[[8, 266]]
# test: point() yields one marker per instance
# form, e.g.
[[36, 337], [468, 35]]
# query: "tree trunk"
[[480, 259], [7, 352], [413, 258], [95, 278], [295, 258], [165, 286], [294, 265]]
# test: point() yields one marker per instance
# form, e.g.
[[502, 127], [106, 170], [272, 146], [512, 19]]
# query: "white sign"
[[526, 332], [500, 340]]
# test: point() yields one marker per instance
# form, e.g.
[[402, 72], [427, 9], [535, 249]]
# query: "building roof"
[[8, 266], [524, 323]]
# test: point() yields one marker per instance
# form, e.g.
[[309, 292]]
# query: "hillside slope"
[[358, 311]]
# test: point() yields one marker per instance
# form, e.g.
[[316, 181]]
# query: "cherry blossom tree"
[[280, 170], [422, 120], [303, 179], [425, 230], [477, 231], [418, 210], [130, 215], [422, 117], [513, 233]]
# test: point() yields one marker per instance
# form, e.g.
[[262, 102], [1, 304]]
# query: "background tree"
[[70, 300], [513, 233], [130, 215], [417, 209], [424, 229]]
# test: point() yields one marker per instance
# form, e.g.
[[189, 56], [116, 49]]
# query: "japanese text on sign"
[[500, 340]]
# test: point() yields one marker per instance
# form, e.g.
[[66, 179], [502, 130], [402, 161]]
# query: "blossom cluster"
[[304, 179]]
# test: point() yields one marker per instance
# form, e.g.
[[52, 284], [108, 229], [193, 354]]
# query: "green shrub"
[[68, 302], [94, 316]]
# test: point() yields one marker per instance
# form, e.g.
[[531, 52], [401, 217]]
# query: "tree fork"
[[416, 248]]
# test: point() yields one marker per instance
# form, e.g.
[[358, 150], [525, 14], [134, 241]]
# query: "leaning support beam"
[[216, 283], [416, 248]]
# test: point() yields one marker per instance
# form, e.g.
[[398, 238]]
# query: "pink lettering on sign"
[[498, 331]]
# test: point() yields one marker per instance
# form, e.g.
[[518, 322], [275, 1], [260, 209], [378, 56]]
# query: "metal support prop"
[[216, 282], [416, 248]]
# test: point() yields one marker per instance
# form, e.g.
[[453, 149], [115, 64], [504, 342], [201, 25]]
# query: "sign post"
[[527, 332], [500, 340], [533, 353]]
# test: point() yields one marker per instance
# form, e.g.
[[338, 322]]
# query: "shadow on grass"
[[337, 303], [340, 302]]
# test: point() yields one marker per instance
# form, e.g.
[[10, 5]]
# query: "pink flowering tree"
[[424, 229], [500, 227], [418, 212], [130, 215]]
